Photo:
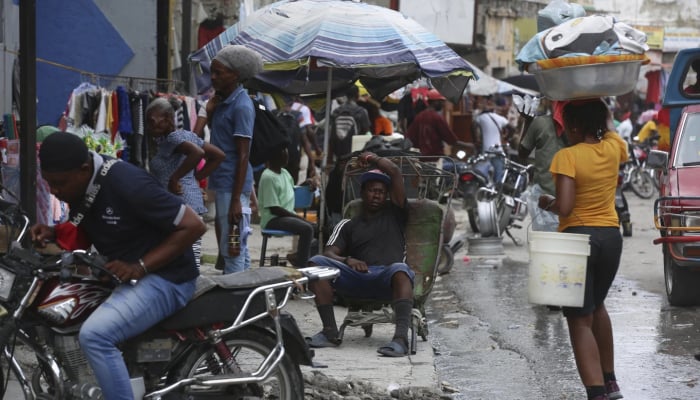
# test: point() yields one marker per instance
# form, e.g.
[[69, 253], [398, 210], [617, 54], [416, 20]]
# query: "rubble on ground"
[[321, 387]]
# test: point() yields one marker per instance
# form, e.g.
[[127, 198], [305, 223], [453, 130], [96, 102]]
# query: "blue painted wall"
[[102, 36], [76, 35]]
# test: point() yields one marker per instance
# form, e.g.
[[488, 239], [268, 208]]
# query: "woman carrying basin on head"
[[585, 174]]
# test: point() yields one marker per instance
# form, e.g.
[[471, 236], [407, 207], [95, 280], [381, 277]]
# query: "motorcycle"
[[472, 174], [231, 341], [642, 180], [500, 206]]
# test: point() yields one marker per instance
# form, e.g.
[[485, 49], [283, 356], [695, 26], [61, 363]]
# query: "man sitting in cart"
[[370, 251]]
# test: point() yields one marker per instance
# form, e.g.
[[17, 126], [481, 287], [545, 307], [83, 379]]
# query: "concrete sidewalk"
[[357, 358]]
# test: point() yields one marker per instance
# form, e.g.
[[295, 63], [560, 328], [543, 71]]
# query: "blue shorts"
[[603, 262], [373, 284]]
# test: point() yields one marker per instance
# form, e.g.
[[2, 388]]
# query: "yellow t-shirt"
[[664, 134], [594, 168]]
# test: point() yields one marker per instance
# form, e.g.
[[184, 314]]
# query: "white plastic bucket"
[[557, 272]]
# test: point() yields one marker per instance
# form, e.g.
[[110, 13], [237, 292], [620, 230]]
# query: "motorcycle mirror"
[[657, 159]]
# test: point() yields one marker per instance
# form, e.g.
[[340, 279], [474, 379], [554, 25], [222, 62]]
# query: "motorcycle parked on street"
[[499, 207], [231, 341], [472, 173]]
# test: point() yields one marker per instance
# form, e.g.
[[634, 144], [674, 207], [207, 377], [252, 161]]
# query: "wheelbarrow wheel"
[[423, 332], [446, 260], [419, 323]]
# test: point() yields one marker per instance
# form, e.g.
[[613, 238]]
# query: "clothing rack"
[[161, 85], [132, 82]]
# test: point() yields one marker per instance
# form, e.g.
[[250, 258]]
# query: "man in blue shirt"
[[232, 118], [145, 232]]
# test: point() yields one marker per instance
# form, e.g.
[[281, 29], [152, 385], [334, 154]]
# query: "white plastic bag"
[[526, 105], [541, 220], [556, 12]]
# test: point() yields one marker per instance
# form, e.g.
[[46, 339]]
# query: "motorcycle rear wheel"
[[249, 348]]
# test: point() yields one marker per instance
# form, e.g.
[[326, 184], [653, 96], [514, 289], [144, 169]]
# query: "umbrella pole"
[[324, 162]]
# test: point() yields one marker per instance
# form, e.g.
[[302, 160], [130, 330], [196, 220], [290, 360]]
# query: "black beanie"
[[62, 151]]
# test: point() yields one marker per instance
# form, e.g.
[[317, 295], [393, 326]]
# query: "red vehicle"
[[677, 210]]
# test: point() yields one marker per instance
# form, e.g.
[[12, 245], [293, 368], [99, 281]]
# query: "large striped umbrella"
[[300, 39]]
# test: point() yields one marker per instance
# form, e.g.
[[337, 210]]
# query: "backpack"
[[343, 129], [268, 134], [290, 123]]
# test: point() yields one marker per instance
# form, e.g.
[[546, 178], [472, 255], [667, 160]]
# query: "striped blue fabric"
[[381, 47]]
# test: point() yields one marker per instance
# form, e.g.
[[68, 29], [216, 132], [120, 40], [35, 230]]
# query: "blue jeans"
[[129, 311], [498, 169], [222, 204]]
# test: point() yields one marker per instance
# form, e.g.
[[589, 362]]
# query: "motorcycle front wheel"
[[642, 184], [249, 348]]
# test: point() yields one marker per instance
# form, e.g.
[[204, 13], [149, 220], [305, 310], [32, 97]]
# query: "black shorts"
[[601, 268]]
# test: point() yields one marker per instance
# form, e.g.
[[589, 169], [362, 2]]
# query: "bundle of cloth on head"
[[583, 39]]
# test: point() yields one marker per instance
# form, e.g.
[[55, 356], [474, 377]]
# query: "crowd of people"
[[149, 223]]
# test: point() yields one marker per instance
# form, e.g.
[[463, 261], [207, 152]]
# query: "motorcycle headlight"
[[7, 279]]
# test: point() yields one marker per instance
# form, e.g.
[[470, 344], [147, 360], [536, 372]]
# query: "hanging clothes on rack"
[[113, 121]]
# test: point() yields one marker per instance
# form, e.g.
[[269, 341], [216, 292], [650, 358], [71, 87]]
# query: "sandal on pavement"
[[393, 349], [320, 340]]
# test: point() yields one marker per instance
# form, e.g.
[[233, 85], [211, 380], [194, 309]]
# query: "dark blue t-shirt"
[[376, 240], [132, 214]]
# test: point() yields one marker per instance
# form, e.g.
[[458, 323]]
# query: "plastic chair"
[[303, 199]]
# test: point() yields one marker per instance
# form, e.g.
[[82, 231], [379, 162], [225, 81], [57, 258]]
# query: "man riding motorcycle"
[[145, 232]]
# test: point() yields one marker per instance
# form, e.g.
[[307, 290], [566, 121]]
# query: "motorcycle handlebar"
[[522, 167]]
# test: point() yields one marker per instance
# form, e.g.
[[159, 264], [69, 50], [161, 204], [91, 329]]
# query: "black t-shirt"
[[376, 240], [132, 214]]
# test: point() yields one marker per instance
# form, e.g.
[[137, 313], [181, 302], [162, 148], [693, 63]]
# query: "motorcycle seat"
[[220, 298], [250, 278], [216, 306]]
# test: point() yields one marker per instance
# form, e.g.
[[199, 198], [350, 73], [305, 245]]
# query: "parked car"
[[677, 210]]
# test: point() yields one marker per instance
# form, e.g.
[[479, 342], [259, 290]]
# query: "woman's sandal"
[[393, 349]]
